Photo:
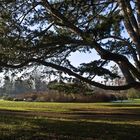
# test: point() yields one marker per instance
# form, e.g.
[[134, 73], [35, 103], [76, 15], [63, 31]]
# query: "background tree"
[[41, 32], [8, 86]]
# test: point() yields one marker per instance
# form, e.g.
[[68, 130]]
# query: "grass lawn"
[[69, 121]]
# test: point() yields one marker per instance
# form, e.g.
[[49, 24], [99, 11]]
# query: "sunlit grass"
[[42, 106]]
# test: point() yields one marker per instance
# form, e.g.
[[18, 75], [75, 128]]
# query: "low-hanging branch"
[[71, 73]]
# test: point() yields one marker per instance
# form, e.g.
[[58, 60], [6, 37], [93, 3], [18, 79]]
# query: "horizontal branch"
[[71, 73], [54, 43]]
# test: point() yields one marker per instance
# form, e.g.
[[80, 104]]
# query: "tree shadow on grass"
[[37, 128], [122, 105], [117, 114]]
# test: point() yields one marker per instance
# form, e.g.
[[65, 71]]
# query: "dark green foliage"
[[95, 68], [48, 32], [68, 88]]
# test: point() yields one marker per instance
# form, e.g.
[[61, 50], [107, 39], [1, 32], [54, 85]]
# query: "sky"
[[80, 57]]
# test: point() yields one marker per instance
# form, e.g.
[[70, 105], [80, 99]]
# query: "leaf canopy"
[[48, 32]]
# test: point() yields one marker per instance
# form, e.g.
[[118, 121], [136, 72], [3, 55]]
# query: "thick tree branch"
[[116, 58], [54, 43], [129, 45], [59, 16], [126, 73], [71, 73], [138, 13], [130, 24], [131, 17]]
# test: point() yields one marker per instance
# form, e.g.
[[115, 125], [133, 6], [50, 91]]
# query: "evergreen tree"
[[43, 32]]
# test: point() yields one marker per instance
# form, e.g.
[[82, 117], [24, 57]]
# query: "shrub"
[[69, 87], [133, 93], [9, 98], [55, 96]]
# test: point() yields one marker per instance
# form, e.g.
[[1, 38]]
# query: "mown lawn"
[[69, 121]]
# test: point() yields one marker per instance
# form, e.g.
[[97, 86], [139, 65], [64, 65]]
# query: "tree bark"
[[131, 24]]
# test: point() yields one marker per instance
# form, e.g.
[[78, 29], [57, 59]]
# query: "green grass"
[[69, 121]]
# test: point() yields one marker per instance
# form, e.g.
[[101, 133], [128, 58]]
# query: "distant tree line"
[[19, 86]]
